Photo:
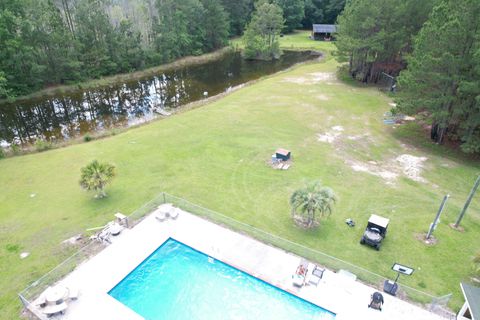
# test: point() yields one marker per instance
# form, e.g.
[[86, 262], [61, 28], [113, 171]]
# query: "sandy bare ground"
[[313, 78], [323, 97], [331, 135], [390, 169]]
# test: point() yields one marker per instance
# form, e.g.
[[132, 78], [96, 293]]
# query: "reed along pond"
[[66, 116]]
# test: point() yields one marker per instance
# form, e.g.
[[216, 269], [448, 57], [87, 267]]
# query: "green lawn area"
[[216, 156], [295, 41]]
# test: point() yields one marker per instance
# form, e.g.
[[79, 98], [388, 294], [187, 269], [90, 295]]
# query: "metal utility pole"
[[467, 203], [435, 222]]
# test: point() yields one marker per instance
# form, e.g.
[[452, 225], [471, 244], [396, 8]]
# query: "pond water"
[[73, 114]]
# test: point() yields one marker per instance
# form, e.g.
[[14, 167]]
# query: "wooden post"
[[435, 222], [467, 203]]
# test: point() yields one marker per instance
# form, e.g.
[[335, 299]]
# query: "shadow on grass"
[[416, 135], [344, 77]]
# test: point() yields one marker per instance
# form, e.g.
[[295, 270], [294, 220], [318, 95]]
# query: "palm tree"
[[95, 176], [310, 200]]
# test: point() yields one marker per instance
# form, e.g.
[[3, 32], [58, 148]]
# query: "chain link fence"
[[424, 299]]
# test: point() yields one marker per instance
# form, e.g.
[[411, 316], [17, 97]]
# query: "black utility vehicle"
[[375, 232]]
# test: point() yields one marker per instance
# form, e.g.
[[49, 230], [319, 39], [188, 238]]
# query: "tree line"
[[46, 42], [50, 42], [433, 46]]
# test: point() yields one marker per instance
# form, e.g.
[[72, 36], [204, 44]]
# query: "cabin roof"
[[324, 28], [283, 152], [472, 298]]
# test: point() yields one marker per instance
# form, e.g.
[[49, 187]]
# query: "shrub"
[[87, 138], [2, 153], [42, 145], [12, 247], [114, 131], [16, 149]]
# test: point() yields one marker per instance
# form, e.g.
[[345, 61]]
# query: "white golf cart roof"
[[379, 221]]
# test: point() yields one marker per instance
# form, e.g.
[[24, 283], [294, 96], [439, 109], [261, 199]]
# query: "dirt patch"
[[327, 137], [423, 238], [358, 137], [389, 170], [331, 135], [412, 166], [459, 228], [312, 78], [337, 128], [75, 240], [297, 80], [373, 168], [322, 97], [322, 76]]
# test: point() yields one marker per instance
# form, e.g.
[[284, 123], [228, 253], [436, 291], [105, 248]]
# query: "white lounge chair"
[[173, 213], [316, 275], [72, 293], [160, 215], [298, 279], [163, 211]]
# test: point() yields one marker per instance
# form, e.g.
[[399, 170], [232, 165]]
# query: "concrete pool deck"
[[347, 298]]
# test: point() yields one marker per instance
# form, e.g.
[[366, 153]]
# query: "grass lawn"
[[298, 40], [216, 156]]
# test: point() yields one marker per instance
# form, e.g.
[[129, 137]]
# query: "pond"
[[66, 116]]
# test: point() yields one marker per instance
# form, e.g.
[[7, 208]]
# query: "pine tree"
[[332, 9], [179, 29], [96, 38], [54, 44], [443, 73], [129, 56], [239, 12], [314, 13], [48, 42], [4, 92], [18, 57], [216, 25], [375, 35], [293, 13], [322, 11]]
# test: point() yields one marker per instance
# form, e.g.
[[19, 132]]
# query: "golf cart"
[[375, 232]]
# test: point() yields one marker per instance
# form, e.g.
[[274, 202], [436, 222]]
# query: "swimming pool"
[[178, 282]]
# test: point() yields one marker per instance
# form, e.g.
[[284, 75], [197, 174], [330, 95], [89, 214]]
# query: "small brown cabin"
[[282, 154], [324, 31]]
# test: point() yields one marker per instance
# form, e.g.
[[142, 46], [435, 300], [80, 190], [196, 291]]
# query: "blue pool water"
[[178, 282]]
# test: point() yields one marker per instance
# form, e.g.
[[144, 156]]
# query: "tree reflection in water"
[[124, 104]]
